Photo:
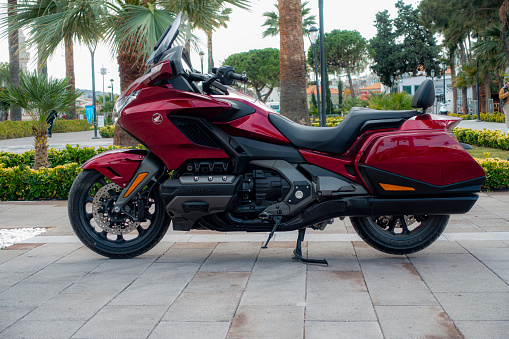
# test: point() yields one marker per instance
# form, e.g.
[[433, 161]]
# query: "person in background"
[[50, 119], [502, 95]]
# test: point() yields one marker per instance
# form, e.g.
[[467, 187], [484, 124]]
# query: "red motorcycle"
[[220, 160]]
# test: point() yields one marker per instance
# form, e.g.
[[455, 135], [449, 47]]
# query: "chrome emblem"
[[157, 118]]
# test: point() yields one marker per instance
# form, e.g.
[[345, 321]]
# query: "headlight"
[[122, 103]]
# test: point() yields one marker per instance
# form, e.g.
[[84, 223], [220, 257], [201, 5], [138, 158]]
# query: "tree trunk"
[[69, 73], [41, 148], [487, 91], [453, 78], [130, 68], [464, 103], [292, 63], [350, 83], [14, 62], [209, 51]]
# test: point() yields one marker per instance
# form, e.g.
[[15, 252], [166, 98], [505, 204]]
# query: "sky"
[[244, 33]]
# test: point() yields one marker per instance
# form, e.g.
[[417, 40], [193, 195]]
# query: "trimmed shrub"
[[24, 183], [497, 173], [495, 117], [331, 121], [107, 131], [486, 138], [21, 129]]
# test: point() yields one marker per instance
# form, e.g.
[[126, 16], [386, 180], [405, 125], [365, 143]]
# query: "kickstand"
[[277, 221], [298, 251]]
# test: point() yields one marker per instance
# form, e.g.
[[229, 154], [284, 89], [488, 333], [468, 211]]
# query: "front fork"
[[150, 169]]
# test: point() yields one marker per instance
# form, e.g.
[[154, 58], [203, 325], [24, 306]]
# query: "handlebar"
[[234, 76]]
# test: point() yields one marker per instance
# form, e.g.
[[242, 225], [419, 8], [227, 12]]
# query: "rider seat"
[[339, 139]]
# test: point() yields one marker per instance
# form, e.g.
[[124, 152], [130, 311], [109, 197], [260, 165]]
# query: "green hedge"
[[497, 173], [107, 131], [21, 129], [495, 117], [24, 183], [484, 137], [70, 154]]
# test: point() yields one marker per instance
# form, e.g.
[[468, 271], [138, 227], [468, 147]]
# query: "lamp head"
[[313, 34]]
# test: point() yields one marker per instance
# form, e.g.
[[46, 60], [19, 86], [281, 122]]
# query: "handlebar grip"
[[237, 77]]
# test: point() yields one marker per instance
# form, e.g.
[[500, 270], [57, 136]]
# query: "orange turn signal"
[[136, 182], [389, 187]]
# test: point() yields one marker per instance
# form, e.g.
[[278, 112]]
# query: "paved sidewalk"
[[59, 140], [204, 284]]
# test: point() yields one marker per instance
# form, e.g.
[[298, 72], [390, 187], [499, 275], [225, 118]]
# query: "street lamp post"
[[92, 51], [392, 84], [478, 102], [322, 60], [432, 74], [103, 73], [443, 70], [313, 35], [201, 58], [112, 101], [244, 74]]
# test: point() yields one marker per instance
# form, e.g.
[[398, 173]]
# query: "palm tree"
[[13, 57], [292, 62], [272, 21], [222, 18], [52, 21], [39, 95]]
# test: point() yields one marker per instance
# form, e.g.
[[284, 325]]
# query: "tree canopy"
[[262, 69], [272, 21], [402, 44]]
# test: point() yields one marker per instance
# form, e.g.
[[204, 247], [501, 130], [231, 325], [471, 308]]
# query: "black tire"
[[110, 243], [400, 234]]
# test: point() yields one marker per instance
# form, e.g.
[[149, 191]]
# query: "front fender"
[[117, 165]]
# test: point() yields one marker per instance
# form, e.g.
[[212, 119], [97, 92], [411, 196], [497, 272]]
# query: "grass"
[[480, 152]]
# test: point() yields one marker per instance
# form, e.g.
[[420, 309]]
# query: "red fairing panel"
[[117, 165], [331, 162], [256, 125], [163, 138], [434, 157]]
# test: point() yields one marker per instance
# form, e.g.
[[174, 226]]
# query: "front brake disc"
[[102, 207]]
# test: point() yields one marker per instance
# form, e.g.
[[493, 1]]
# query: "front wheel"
[[400, 234], [91, 201]]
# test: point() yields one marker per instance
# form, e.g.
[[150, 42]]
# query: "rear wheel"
[[400, 234], [91, 201]]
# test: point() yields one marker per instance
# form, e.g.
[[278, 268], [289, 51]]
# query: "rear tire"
[[114, 236], [400, 234]]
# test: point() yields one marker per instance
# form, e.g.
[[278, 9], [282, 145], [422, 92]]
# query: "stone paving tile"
[[38, 258], [185, 255], [9, 280], [160, 284], [483, 329], [101, 283], [12, 314], [475, 306], [42, 329], [276, 285], [255, 321], [457, 273], [232, 257], [122, 322], [124, 266], [217, 282], [440, 246], [468, 244], [33, 294], [350, 300], [394, 281], [190, 330], [70, 307], [354, 330], [204, 307], [415, 322], [9, 254]]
